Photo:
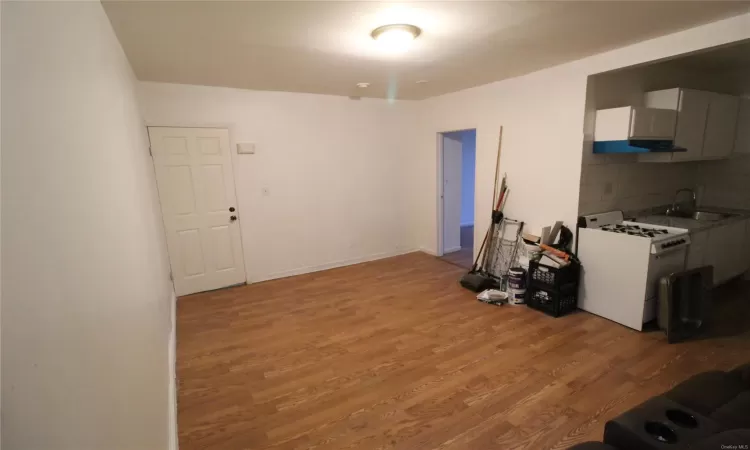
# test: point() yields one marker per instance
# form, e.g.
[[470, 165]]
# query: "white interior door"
[[451, 194], [196, 188]]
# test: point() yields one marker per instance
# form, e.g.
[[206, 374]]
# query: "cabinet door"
[[664, 99], [745, 259], [725, 250], [716, 253], [736, 252], [742, 140], [721, 123], [652, 123], [696, 254], [692, 112]]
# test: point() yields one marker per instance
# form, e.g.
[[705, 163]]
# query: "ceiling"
[[324, 46]]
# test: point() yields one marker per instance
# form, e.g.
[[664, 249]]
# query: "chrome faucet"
[[676, 206]]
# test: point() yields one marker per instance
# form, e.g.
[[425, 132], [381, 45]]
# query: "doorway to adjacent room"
[[456, 165]]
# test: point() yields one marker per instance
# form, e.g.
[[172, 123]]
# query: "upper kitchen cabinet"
[[632, 129], [742, 139], [718, 141], [692, 112], [706, 123]]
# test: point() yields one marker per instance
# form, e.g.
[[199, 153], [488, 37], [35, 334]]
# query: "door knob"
[[231, 209], [232, 218]]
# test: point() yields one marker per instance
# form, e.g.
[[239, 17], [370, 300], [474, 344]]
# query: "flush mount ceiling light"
[[363, 85], [395, 37]]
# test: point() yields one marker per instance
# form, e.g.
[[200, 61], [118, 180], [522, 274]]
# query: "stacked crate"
[[553, 290]]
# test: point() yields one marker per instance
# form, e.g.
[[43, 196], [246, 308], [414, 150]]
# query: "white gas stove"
[[622, 263]]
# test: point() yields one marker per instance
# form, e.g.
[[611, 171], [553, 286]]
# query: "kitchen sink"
[[710, 216], [705, 216], [679, 219]]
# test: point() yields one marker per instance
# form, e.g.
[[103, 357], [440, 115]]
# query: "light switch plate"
[[246, 149]]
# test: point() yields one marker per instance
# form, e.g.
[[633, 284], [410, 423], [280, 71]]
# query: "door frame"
[[232, 158], [440, 187]]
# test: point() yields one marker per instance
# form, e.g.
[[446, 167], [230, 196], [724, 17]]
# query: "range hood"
[[632, 129]]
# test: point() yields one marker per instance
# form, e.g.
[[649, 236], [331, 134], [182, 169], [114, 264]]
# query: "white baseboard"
[[172, 397], [469, 224], [452, 249], [332, 265], [429, 251]]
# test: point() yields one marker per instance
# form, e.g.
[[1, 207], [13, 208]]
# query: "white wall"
[[521, 106], [333, 168], [85, 313], [544, 137], [725, 183]]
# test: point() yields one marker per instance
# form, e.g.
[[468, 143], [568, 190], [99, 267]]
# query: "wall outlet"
[[246, 149]]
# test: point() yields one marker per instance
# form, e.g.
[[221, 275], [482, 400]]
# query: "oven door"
[[659, 266]]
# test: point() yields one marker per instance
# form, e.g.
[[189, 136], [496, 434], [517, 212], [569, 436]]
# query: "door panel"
[[720, 126], [223, 244], [691, 124], [196, 189], [179, 190], [452, 149], [742, 139], [191, 252], [214, 193], [209, 145], [174, 145]]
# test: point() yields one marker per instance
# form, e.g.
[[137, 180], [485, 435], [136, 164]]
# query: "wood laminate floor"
[[465, 256], [462, 258], [393, 354]]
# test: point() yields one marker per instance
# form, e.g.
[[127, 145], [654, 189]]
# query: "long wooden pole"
[[495, 193]]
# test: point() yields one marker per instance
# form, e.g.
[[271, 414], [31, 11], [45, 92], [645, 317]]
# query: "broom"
[[476, 279]]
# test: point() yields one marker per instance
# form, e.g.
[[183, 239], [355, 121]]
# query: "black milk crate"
[[548, 277], [555, 303]]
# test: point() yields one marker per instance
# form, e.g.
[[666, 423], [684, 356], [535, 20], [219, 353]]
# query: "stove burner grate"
[[634, 230]]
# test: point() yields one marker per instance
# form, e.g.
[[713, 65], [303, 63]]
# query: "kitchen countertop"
[[695, 225]]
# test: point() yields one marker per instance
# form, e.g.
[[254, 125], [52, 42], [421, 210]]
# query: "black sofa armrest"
[[743, 373], [732, 439], [706, 392]]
